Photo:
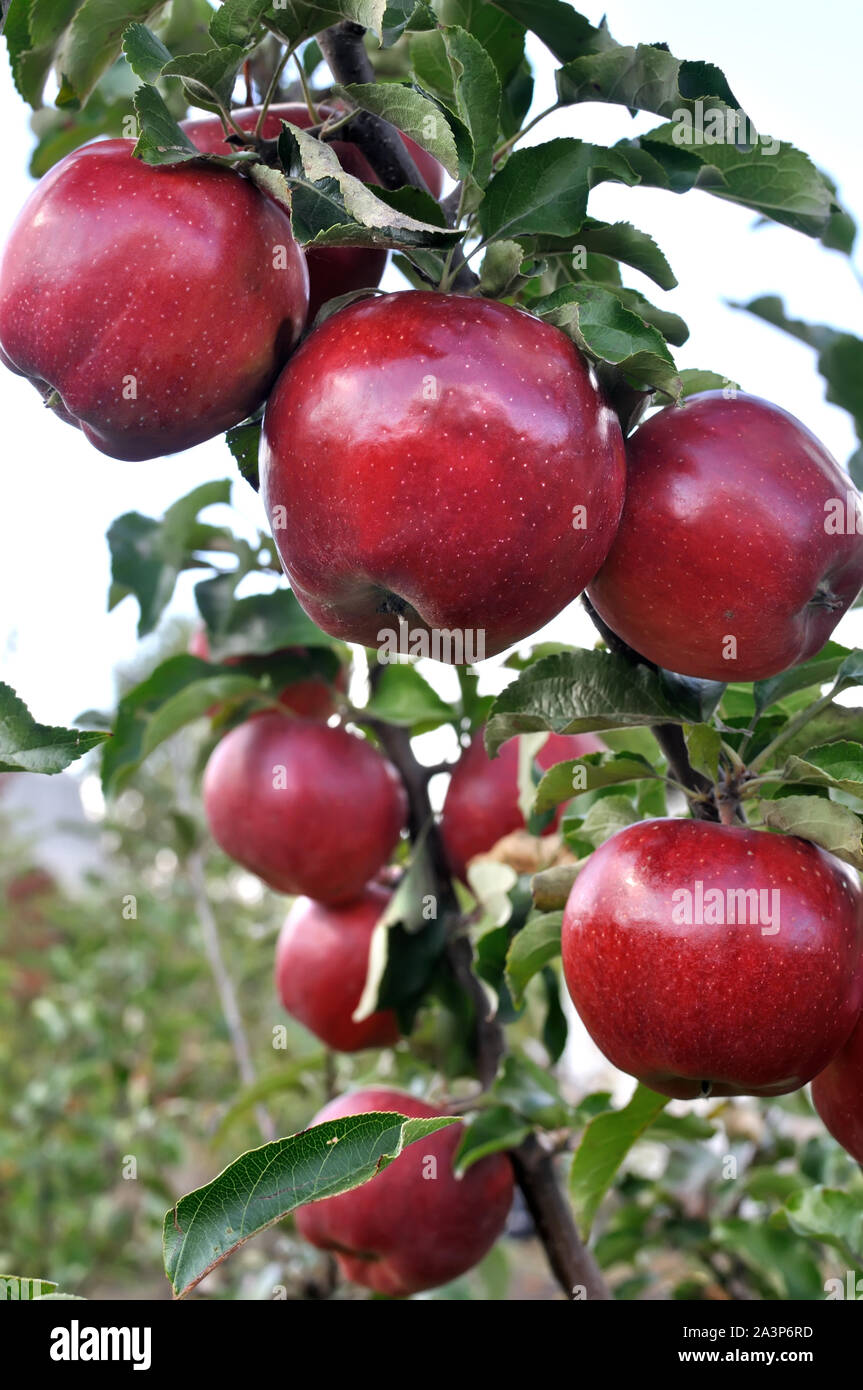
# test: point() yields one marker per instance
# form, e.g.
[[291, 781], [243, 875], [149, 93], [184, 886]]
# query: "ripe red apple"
[[308, 808], [464, 473], [837, 1094], [691, 1001], [414, 1225], [481, 803], [310, 699], [159, 303], [340, 269], [322, 961], [739, 549]]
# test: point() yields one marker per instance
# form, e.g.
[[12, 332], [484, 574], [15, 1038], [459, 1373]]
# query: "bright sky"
[[799, 81]]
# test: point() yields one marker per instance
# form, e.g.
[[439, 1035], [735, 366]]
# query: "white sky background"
[[799, 80]]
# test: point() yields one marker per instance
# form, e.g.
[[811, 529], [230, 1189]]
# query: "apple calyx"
[[824, 597]]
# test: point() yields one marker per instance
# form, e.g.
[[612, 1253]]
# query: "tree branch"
[[572, 1263]]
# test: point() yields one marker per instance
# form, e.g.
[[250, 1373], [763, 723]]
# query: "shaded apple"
[[738, 551], [413, 1226], [152, 306], [339, 269], [837, 1094], [443, 464], [311, 698], [308, 808], [680, 987], [322, 959], [481, 803]]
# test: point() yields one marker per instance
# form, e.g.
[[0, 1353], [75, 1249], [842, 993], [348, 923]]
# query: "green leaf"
[[603, 819], [476, 86], [209, 78], [608, 332], [20, 1288], [487, 1132], [544, 190], [647, 78], [26, 746], [576, 692], [819, 670], [784, 1265], [832, 765], [256, 625], [531, 949], [244, 442], [235, 20], [623, 242], [835, 1218], [703, 744], [92, 43], [604, 1145], [587, 773], [411, 112], [402, 696], [148, 555], [555, 1029], [531, 1092], [565, 32], [263, 1186], [501, 267], [161, 140], [826, 823], [694, 380], [296, 20], [144, 51]]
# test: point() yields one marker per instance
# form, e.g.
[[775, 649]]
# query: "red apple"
[[414, 1225], [340, 269], [481, 804], [691, 1001], [308, 808], [159, 303], [739, 548], [837, 1093], [322, 961], [425, 457], [310, 699]]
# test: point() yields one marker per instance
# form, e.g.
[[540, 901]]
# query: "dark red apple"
[[340, 269], [308, 808], [443, 460], [678, 985], [322, 961], [741, 543], [481, 803], [310, 699], [837, 1093], [415, 1225], [157, 303]]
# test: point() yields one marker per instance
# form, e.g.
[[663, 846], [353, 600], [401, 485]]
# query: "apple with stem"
[[153, 307], [322, 959], [482, 801], [439, 465], [335, 270], [741, 542], [414, 1225], [714, 960], [308, 808]]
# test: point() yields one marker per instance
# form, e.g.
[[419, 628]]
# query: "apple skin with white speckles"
[[333, 270], [733, 1006], [153, 300], [424, 456], [837, 1094], [481, 803], [322, 959], [414, 1225], [725, 535]]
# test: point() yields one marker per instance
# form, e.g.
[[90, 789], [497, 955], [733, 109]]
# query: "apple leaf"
[[161, 140], [20, 1288], [235, 21], [831, 1216], [531, 1092], [703, 744], [603, 819], [782, 1265], [826, 823], [144, 52], [585, 774], [26, 746], [263, 1186], [258, 625], [33, 31], [530, 950], [489, 1131], [645, 78], [818, 670], [476, 87], [244, 442], [209, 78], [295, 20], [577, 692], [92, 43], [544, 190], [694, 380], [606, 331], [404, 17], [501, 269], [562, 29], [832, 765], [604, 1145], [403, 697], [148, 555], [623, 242], [411, 112]]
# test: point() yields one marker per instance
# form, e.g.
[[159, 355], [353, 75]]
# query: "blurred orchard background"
[[121, 1087]]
